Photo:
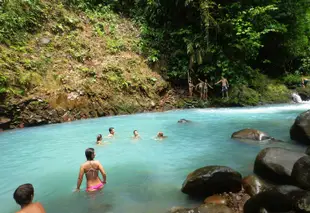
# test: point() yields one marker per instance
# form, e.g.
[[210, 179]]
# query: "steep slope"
[[79, 65]]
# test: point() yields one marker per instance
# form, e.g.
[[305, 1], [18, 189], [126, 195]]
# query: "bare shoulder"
[[40, 207]]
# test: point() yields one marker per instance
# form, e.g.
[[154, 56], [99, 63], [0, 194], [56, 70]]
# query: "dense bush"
[[19, 17]]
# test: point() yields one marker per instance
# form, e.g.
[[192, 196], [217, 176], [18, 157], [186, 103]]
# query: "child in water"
[[23, 196], [160, 136], [136, 135], [99, 139]]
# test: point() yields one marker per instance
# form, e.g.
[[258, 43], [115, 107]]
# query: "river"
[[144, 176]]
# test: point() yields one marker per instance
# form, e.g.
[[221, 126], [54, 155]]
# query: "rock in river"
[[276, 164], [206, 208], [300, 131], [250, 134], [301, 172], [253, 185], [211, 180], [280, 199]]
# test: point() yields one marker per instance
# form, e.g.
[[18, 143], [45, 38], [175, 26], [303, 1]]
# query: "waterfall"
[[296, 98]]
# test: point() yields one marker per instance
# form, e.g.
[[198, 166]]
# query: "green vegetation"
[[261, 47]]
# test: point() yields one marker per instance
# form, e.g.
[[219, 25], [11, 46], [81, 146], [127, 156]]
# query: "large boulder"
[[271, 201], [250, 134], [308, 151], [280, 199], [301, 172], [205, 208], [211, 180], [300, 131], [276, 164], [254, 185]]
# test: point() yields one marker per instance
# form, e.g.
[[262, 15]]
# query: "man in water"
[[90, 168], [23, 196], [136, 135], [111, 132], [205, 89], [225, 86]]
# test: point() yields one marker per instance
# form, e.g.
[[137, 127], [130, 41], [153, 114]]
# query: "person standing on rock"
[[190, 88], [90, 168], [205, 89], [304, 81], [23, 196], [225, 86], [200, 86]]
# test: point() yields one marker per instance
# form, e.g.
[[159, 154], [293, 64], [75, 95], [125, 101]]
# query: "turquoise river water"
[[144, 176]]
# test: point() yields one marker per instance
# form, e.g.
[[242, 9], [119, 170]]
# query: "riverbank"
[[86, 64]]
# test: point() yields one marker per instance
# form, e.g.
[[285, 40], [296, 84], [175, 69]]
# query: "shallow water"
[[143, 176]]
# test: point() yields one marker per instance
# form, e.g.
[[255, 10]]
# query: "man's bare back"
[[32, 208]]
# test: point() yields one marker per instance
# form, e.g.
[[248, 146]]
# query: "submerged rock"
[[300, 131], [301, 172], [211, 180], [184, 121], [206, 208], [253, 185], [276, 164]]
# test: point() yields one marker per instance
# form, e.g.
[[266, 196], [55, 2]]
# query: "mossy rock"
[[304, 93], [242, 96], [276, 93]]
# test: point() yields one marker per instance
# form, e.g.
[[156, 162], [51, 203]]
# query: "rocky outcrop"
[[300, 131], [211, 180], [254, 185], [276, 164], [301, 172], [206, 208]]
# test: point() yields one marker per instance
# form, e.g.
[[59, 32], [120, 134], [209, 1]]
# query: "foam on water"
[[143, 176]]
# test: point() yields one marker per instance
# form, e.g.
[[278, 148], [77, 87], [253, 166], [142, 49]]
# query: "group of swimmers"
[[24, 194], [136, 135]]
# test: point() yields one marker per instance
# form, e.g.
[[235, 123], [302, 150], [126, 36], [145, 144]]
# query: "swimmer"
[[99, 139], [136, 135], [160, 136], [90, 168], [111, 132], [23, 196]]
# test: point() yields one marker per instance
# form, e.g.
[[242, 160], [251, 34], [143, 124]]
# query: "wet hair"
[[89, 153], [160, 134], [110, 129], [23, 194], [134, 131], [99, 137]]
